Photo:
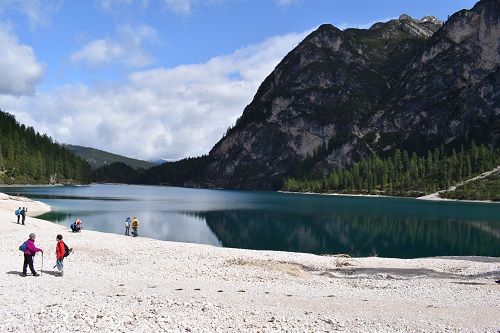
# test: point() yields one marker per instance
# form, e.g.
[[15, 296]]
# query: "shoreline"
[[115, 283]]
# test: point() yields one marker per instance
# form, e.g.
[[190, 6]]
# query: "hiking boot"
[[23, 275], [36, 274]]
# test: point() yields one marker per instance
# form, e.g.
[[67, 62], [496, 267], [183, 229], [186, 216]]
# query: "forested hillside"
[[98, 158], [28, 157], [403, 174]]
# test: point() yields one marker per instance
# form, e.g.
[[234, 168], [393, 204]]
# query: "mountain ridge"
[[97, 158], [408, 84]]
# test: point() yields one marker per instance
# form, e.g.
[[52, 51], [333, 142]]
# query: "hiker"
[[30, 252], [18, 214], [23, 214], [135, 225], [127, 226], [76, 226], [60, 254]]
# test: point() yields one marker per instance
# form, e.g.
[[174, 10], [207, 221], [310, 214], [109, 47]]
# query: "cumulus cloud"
[[169, 113], [20, 70], [38, 13], [125, 48]]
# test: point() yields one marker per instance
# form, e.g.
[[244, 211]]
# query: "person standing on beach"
[[30, 252], [23, 214], [127, 226], [135, 225], [60, 254], [18, 214]]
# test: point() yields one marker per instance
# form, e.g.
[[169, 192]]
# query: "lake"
[[320, 224]]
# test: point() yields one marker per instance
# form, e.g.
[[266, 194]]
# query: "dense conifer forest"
[[27, 157], [404, 174]]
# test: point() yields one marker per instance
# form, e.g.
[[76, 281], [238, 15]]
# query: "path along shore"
[[114, 283]]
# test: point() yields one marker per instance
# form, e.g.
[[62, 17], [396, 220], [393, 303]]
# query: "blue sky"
[[159, 79]]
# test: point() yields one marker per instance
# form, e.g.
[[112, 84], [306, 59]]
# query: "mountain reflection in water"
[[320, 224]]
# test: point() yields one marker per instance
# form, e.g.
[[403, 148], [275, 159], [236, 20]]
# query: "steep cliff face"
[[342, 95]]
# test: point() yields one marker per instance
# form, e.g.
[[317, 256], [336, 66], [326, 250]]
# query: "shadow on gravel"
[[397, 272], [486, 260], [472, 283]]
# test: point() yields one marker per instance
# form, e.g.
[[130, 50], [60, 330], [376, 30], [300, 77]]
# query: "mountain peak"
[[343, 95]]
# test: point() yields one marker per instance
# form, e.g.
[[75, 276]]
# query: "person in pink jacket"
[[30, 252]]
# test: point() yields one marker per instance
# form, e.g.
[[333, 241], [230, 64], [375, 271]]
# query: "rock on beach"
[[115, 283]]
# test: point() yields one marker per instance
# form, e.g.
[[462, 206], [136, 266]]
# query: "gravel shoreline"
[[114, 283]]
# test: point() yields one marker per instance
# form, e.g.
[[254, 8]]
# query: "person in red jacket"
[[30, 252], [60, 254]]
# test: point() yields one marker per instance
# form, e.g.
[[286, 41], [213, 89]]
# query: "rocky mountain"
[[342, 95]]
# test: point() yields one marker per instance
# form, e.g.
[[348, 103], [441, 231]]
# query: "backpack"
[[18, 212], [67, 250], [23, 246]]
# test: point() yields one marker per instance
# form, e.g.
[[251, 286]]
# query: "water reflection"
[[359, 226], [354, 235], [161, 225]]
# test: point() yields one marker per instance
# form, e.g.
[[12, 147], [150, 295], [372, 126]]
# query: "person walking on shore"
[[30, 252], [127, 226], [23, 214], [135, 225], [60, 254]]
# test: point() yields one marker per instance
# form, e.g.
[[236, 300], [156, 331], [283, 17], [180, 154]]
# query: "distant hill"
[[97, 158]]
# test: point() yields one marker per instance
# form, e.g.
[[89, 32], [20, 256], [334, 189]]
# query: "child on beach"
[[60, 254], [30, 252]]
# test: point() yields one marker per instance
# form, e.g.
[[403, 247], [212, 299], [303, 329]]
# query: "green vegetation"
[[98, 158], [177, 173], [26, 157], [487, 188], [401, 174]]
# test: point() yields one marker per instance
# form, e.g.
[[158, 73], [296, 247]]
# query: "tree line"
[[403, 173], [27, 157], [178, 173]]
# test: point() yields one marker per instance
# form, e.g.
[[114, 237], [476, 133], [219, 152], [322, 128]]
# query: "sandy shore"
[[114, 283]]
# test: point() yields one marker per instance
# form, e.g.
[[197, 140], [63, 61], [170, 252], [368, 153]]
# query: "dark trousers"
[[127, 231], [28, 261], [134, 232]]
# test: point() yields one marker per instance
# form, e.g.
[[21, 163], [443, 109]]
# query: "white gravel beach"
[[115, 283]]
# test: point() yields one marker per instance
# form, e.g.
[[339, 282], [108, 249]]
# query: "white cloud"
[[113, 6], [20, 70], [37, 12], [287, 2], [179, 7], [126, 48], [160, 113]]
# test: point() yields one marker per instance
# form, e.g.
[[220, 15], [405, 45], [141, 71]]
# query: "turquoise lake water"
[[320, 224]]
